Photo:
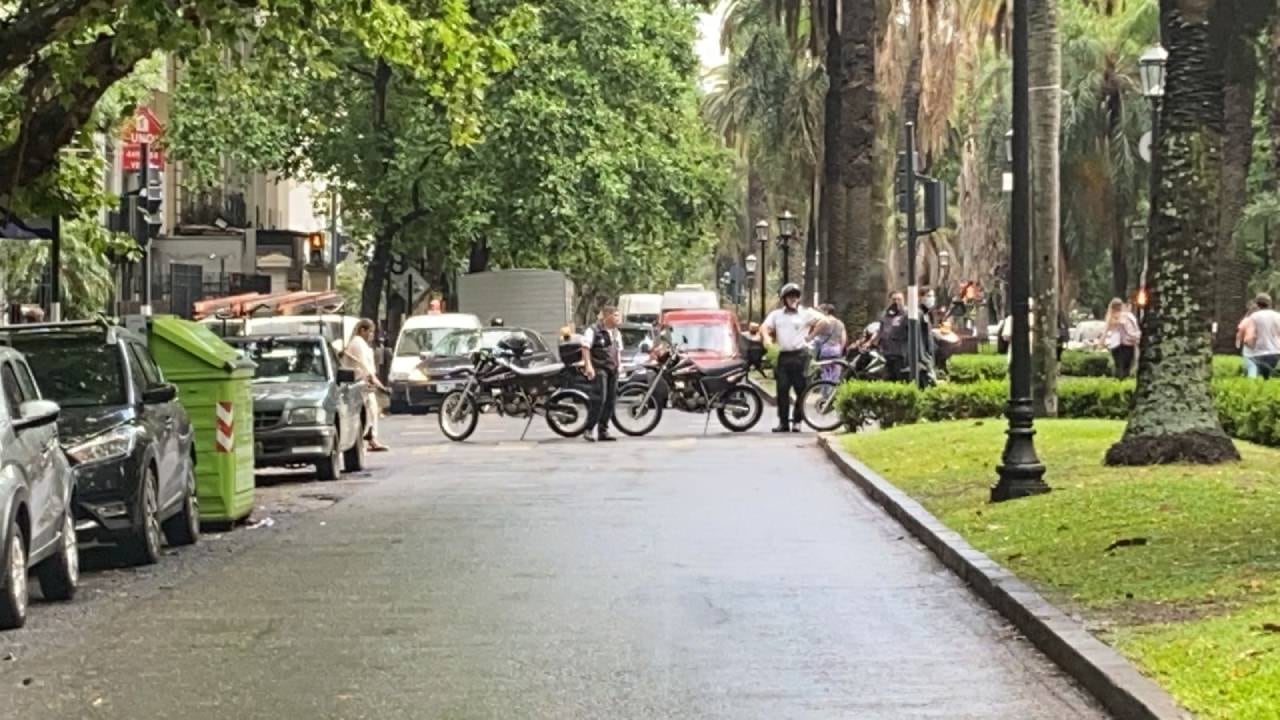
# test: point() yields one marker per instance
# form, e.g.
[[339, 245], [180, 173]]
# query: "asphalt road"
[[677, 576]]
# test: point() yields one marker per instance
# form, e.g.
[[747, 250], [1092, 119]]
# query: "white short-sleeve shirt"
[[790, 330]]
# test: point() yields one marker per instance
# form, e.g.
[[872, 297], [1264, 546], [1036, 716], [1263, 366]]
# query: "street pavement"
[[675, 576]]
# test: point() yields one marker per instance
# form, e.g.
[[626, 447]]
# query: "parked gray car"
[[39, 529], [306, 409]]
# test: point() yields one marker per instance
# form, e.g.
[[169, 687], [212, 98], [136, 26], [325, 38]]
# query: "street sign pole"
[[144, 172], [55, 276]]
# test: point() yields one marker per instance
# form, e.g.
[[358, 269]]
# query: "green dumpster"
[[213, 385]]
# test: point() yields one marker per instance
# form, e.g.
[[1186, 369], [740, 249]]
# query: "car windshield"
[[415, 341], [632, 337], [713, 337], [457, 343], [76, 372], [286, 361]]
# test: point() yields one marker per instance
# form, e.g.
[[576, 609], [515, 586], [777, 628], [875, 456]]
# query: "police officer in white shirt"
[[790, 327], [601, 358]]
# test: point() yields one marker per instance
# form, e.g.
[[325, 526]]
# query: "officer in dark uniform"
[[601, 357]]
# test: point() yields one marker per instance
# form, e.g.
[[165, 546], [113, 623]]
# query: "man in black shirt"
[[893, 337], [601, 357]]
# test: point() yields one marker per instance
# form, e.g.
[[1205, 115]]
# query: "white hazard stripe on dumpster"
[[224, 436]]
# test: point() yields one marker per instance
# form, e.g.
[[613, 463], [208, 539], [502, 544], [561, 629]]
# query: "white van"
[[687, 298], [419, 335], [337, 329], [640, 307]]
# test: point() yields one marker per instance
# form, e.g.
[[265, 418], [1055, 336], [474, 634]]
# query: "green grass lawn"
[[1192, 593]]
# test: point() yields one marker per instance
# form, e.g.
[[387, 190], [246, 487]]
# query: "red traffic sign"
[[142, 128]]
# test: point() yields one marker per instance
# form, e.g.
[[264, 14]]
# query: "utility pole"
[[144, 173]]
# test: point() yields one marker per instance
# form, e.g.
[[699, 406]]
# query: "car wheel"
[[60, 574], [13, 596], [353, 459], [329, 468], [184, 528], [144, 546]]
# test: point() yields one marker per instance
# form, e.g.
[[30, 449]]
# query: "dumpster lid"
[[200, 342]]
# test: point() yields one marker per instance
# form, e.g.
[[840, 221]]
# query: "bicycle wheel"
[[819, 405]]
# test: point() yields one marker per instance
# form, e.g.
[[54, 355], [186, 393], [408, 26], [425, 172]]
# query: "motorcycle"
[[499, 381], [674, 380]]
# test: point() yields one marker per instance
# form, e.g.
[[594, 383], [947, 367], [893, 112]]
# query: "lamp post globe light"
[[762, 237], [1020, 472], [1151, 68], [750, 264]]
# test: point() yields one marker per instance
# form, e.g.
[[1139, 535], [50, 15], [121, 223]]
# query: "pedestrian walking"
[[1262, 336], [790, 327], [1250, 367], [1122, 337], [601, 358], [358, 356]]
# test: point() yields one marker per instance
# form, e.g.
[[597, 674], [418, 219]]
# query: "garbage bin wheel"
[[329, 468], [184, 528], [144, 547], [353, 458]]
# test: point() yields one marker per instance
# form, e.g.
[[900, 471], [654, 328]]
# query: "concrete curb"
[[1113, 680]]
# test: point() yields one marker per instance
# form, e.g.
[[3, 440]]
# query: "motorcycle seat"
[[723, 368], [538, 370]]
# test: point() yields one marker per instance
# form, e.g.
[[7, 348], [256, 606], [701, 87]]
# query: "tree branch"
[[56, 113], [366, 74], [29, 32]]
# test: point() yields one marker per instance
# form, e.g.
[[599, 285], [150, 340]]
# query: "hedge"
[[1075, 363], [1248, 409]]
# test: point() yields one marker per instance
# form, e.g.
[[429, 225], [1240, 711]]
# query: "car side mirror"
[[346, 375], [36, 413], [159, 394], [425, 355]]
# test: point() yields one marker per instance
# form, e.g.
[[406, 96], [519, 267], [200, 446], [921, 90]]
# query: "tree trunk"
[[478, 258], [830, 217], [1237, 155], [1117, 234], [757, 210], [1045, 76], [853, 244], [1174, 419], [1273, 92], [375, 277], [811, 239]]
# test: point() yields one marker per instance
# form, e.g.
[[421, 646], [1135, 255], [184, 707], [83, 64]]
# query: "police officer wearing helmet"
[[790, 327], [601, 358]]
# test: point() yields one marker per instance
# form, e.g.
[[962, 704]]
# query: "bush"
[[1086, 397], [1085, 363], [888, 403], [957, 401], [976, 368], [1228, 366], [1249, 409], [771, 357]]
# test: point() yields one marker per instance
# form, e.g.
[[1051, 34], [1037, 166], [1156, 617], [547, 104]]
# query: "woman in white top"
[[1122, 337], [358, 356]]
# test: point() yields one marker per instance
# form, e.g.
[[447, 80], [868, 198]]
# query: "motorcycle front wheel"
[[458, 415], [819, 405], [567, 413], [633, 415], [741, 408]]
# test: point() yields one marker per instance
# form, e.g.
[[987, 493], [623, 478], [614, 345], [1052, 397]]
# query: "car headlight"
[[307, 416], [110, 445]]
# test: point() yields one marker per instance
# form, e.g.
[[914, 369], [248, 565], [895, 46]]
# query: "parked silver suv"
[[37, 528]]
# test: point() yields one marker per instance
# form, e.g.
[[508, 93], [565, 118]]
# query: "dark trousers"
[[895, 367], [1122, 356], [1266, 365], [790, 377], [603, 399]]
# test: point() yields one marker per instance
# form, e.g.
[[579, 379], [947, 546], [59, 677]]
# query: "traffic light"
[[315, 241], [151, 204]]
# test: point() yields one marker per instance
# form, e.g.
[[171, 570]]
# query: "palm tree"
[[1173, 418], [1045, 76]]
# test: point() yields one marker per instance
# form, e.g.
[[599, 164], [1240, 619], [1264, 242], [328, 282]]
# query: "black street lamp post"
[[1020, 471], [786, 233], [762, 237], [1151, 68], [750, 285]]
